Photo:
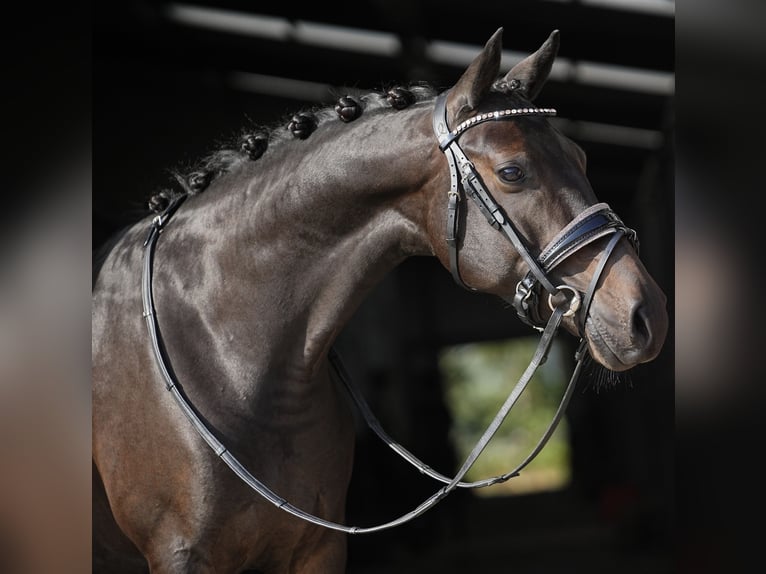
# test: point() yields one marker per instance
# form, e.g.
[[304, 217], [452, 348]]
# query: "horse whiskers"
[[599, 377]]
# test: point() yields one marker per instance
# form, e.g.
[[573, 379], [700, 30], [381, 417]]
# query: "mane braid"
[[252, 143]]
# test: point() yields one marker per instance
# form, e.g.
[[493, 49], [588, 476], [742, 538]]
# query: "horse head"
[[536, 179]]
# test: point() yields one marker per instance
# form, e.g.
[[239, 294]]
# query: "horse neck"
[[317, 225]]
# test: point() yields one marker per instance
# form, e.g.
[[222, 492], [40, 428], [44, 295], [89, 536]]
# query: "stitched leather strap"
[[537, 360], [453, 221], [588, 298], [473, 187], [263, 490], [591, 224]]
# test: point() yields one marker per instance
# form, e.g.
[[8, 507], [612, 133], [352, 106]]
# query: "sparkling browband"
[[496, 115]]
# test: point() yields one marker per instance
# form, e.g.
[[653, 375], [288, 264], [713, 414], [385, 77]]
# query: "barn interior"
[[174, 78]]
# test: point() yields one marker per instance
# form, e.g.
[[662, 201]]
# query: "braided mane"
[[251, 144]]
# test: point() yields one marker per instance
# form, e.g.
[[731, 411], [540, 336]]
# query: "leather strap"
[[537, 359], [594, 222], [473, 187], [576, 233], [453, 221], [591, 224], [263, 490], [588, 298]]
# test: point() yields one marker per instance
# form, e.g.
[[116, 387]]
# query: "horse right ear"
[[476, 81]]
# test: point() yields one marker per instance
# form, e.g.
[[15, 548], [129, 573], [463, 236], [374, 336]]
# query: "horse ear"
[[529, 75], [476, 80]]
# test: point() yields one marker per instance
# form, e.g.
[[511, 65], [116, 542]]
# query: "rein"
[[593, 223]]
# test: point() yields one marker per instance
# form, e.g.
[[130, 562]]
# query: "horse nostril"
[[641, 329]]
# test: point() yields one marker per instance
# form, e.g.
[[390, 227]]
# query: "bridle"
[[596, 221], [593, 223]]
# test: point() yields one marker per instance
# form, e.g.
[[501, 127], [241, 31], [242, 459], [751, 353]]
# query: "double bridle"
[[593, 223]]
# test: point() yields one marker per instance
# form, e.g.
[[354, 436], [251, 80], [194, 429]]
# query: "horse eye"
[[510, 173]]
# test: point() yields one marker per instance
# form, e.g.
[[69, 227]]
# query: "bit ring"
[[574, 303]]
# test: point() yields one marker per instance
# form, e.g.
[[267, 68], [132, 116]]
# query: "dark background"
[[166, 93]]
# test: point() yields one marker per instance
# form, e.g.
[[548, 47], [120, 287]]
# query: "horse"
[[256, 264]]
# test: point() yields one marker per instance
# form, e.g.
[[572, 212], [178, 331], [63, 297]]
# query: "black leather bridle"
[[596, 221], [593, 223]]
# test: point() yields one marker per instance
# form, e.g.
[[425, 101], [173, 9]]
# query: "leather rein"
[[596, 221]]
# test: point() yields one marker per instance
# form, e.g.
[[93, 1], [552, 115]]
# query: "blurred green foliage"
[[478, 378]]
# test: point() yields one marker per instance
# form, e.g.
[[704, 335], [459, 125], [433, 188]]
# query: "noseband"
[[593, 223]]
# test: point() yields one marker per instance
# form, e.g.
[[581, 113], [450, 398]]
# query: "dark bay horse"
[[254, 278]]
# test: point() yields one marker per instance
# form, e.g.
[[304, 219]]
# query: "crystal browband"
[[496, 115]]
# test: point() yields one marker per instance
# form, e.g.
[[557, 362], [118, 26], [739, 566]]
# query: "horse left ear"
[[476, 81], [529, 75]]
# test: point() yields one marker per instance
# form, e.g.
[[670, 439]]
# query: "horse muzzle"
[[627, 332]]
